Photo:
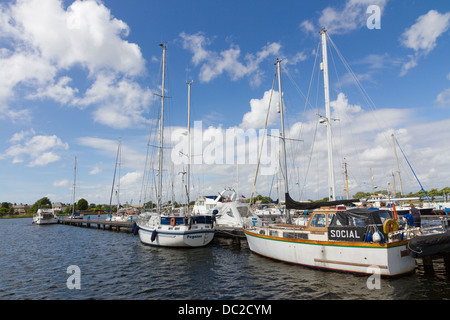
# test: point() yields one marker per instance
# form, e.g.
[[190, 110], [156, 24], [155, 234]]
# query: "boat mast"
[[346, 180], [283, 140], [119, 154], [189, 144], [324, 67], [161, 131], [398, 167], [74, 184]]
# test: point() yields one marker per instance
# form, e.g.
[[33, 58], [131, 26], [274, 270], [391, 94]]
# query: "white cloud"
[[443, 98], [213, 63], [95, 170], [44, 41], [343, 20], [422, 36], [121, 103], [61, 183], [256, 117], [39, 150]]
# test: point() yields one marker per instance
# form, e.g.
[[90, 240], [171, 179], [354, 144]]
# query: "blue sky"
[[78, 75]]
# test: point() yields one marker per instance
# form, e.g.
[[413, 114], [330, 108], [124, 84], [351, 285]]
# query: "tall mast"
[[119, 157], [346, 180], [283, 136], [398, 167], [189, 143], [74, 184], [324, 66], [161, 130]]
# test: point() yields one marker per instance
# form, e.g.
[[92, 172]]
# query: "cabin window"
[[273, 233], [319, 221], [330, 218], [230, 212]]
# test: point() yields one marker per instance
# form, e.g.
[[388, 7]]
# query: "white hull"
[[45, 216], [176, 238], [366, 258], [40, 221]]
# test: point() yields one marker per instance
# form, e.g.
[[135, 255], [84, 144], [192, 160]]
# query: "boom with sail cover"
[[292, 204]]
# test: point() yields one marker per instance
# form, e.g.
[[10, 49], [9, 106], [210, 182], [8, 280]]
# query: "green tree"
[[82, 204], [41, 203], [362, 195]]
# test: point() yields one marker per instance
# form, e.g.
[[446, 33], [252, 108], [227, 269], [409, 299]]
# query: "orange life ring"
[[173, 222]]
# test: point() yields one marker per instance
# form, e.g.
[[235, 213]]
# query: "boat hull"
[[175, 238], [45, 221], [364, 258]]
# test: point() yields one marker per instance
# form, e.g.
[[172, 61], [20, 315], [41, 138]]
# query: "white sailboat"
[[45, 216], [166, 229], [357, 240]]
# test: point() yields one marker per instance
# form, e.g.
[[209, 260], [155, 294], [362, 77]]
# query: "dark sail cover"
[[292, 204]]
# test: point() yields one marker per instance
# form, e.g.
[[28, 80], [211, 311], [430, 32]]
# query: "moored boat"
[[354, 240], [166, 229], [335, 237], [45, 216]]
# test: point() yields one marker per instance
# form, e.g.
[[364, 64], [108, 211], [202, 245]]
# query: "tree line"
[[7, 208], [432, 194]]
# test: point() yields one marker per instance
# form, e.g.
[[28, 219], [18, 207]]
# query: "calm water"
[[116, 265]]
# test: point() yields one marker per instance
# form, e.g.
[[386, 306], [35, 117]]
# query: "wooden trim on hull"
[[330, 243], [334, 263]]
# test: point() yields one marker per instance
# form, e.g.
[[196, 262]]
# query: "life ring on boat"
[[390, 225], [172, 222]]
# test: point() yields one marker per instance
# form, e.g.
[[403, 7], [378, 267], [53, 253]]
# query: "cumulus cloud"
[[422, 36], [256, 117], [350, 17], [43, 42], [443, 98], [214, 64], [39, 150]]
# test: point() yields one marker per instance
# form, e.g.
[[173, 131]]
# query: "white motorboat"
[[206, 204], [45, 216], [236, 215]]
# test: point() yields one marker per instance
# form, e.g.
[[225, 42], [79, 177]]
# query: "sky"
[[77, 77]]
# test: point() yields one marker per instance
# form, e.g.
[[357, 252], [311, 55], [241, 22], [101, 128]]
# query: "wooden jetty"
[[100, 224], [126, 226]]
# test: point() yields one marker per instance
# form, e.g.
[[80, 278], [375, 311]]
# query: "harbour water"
[[117, 266]]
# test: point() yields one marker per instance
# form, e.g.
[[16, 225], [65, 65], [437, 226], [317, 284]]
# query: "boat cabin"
[[338, 224]]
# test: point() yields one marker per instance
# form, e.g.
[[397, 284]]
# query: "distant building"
[[58, 207], [20, 208]]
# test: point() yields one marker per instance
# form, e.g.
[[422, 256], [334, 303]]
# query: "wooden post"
[[447, 263], [428, 264]]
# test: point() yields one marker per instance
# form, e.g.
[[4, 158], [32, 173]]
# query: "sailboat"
[[335, 238], [122, 214], [75, 215], [166, 229]]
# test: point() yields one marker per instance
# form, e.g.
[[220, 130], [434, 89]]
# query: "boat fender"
[[390, 225], [135, 228], [173, 222], [154, 233], [376, 237], [369, 237]]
